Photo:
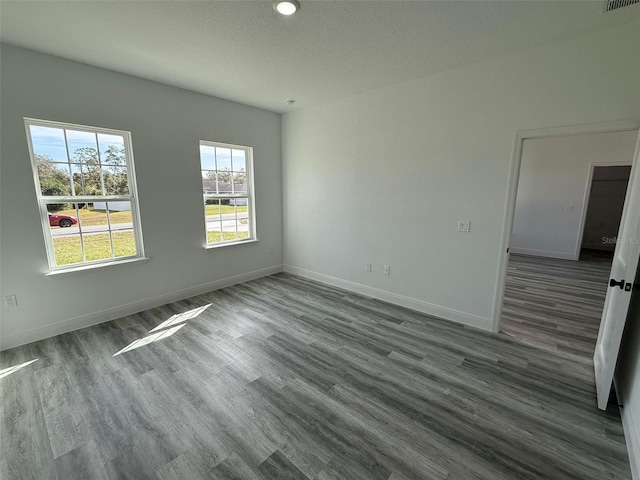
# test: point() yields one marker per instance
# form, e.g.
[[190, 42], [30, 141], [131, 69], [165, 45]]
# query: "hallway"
[[556, 304]]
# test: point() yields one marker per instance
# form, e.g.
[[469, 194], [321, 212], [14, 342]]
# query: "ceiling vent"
[[616, 4]]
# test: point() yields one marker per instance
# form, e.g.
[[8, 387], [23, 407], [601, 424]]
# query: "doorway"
[[564, 203], [556, 303], [608, 187]]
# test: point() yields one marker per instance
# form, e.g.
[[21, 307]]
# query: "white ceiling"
[[243, 51]]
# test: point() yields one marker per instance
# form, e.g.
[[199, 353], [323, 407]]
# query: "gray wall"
[[166, 125]]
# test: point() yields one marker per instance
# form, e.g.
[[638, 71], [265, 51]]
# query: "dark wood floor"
[[282, 378], [556, 304]]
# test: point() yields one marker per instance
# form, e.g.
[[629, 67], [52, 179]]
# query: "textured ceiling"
[[243, 51]]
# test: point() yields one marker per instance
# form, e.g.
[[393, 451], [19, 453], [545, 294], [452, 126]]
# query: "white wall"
[[384, 176], [166, 124], [553, 187]]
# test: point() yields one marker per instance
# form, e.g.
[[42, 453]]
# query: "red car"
[[61, 220]]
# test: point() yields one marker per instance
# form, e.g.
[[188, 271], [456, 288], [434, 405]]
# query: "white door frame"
[[585, 200], [510, 201]]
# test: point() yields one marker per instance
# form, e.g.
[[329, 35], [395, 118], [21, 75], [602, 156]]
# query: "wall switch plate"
[[368, 267], [11, 301], [387, 270], [464, 226]]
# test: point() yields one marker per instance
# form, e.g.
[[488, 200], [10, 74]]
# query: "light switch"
[[464, 226], [11, 301]]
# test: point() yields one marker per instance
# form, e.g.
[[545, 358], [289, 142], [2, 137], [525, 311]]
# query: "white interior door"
[[623, 273]]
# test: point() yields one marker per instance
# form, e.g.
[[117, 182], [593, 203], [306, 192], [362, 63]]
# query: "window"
[[86, 191], [227, 187]]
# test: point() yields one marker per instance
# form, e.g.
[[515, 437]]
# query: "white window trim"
[[79, 268], [230, 243], [249, 195], [43, 201]]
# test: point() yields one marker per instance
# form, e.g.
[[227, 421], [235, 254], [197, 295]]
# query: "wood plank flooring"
[[556, 304], [283, 378]]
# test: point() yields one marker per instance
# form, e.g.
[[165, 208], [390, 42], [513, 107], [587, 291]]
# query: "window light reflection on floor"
[[163, 331], [154, 337], [15, 368], [181, 317]]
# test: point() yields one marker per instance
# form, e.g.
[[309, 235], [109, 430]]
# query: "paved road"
[[228, 224]]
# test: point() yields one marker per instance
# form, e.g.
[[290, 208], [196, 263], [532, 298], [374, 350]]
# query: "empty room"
[[319, 240]]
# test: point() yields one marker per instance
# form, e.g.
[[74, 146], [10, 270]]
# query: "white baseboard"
[[407, 302], [543, 253], [129, 309]]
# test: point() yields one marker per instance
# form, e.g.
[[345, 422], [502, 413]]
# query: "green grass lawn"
[[89, 216], [68, 250], [97, 247], [222, 209], [213, 237]]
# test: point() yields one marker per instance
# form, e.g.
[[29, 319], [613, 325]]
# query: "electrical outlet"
[[368, 267], [387, 270], [11, 301], [464, 226]]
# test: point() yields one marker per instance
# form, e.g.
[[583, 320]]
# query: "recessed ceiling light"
[[286, 7], [290, 102]]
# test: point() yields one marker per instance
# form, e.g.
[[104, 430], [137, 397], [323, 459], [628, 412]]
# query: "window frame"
[[249, 195], [43, 200]]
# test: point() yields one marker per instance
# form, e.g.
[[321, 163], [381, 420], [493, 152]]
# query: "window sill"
[[230, 244], [88, 268]]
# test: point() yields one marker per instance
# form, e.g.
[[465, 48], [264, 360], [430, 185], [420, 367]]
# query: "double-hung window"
[[86, 190], [227, 185]]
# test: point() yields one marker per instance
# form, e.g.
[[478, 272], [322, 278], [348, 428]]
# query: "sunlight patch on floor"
[[155, 337], [181, 317], [15, 368]]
